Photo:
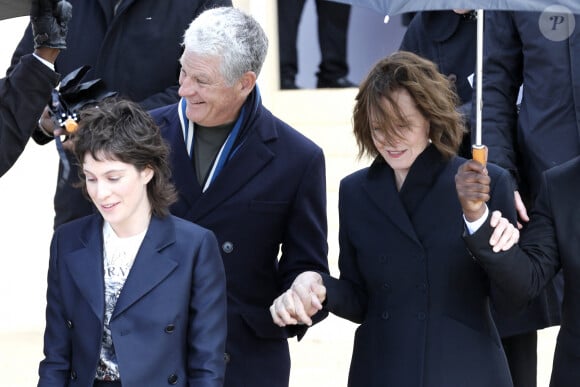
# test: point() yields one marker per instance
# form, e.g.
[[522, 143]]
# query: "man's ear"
[[247, 82]]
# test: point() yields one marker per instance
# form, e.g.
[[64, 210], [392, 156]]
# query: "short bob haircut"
[[121, 130], [431, 91]]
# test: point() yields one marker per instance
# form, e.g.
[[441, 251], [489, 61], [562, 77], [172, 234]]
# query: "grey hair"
[[234, 36]]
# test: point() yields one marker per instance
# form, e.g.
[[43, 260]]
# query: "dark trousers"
[[522, 356], [333, 19]]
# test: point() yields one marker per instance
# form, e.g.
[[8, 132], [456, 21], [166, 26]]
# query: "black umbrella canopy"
[[14, 8]]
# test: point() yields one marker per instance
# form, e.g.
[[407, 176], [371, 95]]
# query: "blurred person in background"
[[25, 92], [133, 46]]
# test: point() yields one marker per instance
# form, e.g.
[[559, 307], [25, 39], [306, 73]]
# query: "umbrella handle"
[[479, 153]]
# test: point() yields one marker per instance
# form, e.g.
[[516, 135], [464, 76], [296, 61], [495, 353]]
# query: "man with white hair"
[[257, 183]]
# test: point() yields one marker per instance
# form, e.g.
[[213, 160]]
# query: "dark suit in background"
[[541, 52], [134, 51], [550, 242], [333, 21], [23, 96], [449, 40]]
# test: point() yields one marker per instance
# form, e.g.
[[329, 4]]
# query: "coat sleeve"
[[411, 38], [502, 199], [305, 247], [502, 77], [346, 297], [23, 96], [208, 318], [55, 368], [522, 272]]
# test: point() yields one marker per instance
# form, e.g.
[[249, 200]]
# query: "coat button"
[[421, 316], [227, 357], [69, 324], [73, 375], [387, 287], [170, 328], [383, 259], [172, 379], [228, 247], [385, 315], [422, 288]]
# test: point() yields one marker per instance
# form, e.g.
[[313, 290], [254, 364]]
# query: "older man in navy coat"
[[258, 184]]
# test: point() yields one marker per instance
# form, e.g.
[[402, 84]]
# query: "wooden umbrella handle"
[[479, 153]]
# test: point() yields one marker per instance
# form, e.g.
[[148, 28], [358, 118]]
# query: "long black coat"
[[407, 277], [23, 96], [546, 132], [550, 242], [135, 52]]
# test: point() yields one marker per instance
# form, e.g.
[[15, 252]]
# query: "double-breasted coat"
[[407, 278], [551, 242], [168, 325], [267, 208]]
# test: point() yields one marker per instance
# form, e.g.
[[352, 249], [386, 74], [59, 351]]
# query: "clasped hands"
[[300, 302]]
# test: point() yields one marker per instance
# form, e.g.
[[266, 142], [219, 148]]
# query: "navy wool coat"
[[267, 208], [168, 325], [406, 276]]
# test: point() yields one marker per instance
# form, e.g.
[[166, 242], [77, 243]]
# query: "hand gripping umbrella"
[[394, 7]]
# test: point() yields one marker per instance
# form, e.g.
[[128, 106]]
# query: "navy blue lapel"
[[183, 173], [250, 159], [106, 6], [151, 266], [382, 190], [86, 266], [123, 6], [252, 155]]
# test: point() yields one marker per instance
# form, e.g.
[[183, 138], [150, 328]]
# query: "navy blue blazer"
[[407, 277], [168, 326], [267, 209]]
